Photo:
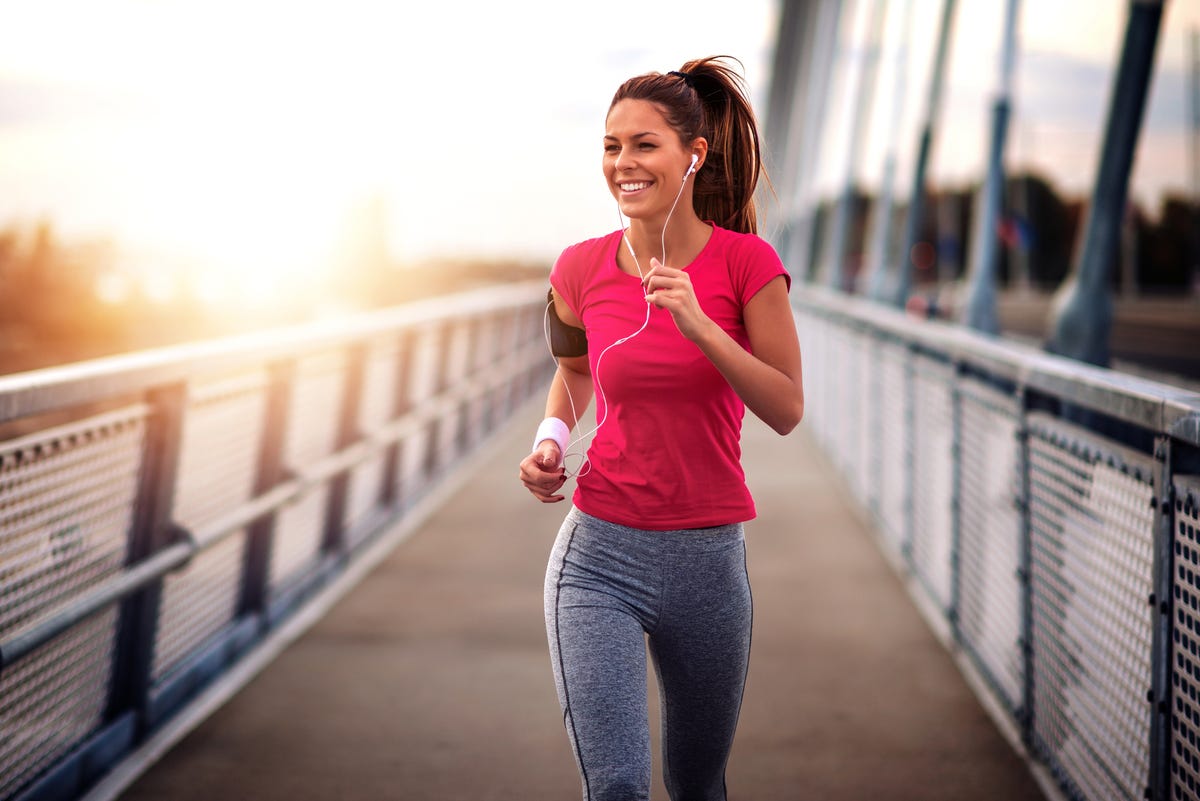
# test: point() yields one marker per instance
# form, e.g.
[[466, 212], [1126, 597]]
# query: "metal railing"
[[1047, 513], [162, 512]]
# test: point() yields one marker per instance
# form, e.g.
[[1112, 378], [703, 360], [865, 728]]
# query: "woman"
[[673, 347]]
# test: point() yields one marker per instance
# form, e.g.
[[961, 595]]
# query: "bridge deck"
[[431, 678]]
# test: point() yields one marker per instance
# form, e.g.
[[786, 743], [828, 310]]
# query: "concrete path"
[[431, 679]]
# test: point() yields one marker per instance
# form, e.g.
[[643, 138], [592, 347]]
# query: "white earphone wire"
[[586, 463]]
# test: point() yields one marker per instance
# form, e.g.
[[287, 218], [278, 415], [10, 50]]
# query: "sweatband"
[[555, 429]]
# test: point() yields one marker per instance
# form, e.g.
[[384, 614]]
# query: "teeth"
[[633, 187]]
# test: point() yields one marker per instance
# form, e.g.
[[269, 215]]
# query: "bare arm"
[[769, 380], [570, 394], [573, 379]]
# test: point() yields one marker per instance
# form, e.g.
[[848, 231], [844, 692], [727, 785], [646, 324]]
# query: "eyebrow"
[[636, 135]]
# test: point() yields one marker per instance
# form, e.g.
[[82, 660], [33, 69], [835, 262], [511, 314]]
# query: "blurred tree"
[[1164, 247]]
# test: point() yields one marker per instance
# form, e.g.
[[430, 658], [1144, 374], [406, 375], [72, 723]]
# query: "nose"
[[624, 160]]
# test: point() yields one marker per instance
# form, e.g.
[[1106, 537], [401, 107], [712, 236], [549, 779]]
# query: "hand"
[[671, 289], [542, 472]]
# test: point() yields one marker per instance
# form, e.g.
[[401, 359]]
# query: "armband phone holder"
[[565, 340]]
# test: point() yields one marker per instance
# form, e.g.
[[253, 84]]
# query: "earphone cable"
[[586, 463]]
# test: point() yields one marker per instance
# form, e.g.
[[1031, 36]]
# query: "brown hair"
[[707, 98]]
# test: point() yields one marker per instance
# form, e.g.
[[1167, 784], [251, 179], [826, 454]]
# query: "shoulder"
[[578, 264], [746, 246], [752, 261], [587, 252]]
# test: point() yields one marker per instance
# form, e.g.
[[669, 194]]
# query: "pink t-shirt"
[[668, 455]]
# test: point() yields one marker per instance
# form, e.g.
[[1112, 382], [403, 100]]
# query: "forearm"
[[570, 393], [542, 471]]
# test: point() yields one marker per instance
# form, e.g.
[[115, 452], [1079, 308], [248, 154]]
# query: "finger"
[[660, 269], [548, 456], [542, 482], [533, 472], [545, 494], [543, 460]]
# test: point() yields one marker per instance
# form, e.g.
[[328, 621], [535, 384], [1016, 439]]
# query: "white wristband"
[[555, 429]]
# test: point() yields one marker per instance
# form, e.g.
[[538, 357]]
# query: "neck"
[[685, 234]]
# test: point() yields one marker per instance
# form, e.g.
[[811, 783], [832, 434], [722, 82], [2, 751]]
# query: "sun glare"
[[234, 153], [229, 162]]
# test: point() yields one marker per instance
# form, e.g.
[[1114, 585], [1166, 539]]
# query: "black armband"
[[565, 340]]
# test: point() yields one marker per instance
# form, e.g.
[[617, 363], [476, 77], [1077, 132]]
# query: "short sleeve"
[[753, 264], [565, 279]]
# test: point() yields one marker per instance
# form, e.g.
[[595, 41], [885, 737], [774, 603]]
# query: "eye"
[[612, 148], [646, 146]]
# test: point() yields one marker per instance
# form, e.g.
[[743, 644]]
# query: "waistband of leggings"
[[687, 539]]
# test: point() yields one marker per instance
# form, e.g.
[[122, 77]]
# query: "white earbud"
[[692, 168]]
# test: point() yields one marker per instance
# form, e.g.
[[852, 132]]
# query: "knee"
[[617, 784], [696, 787], [699, 794]]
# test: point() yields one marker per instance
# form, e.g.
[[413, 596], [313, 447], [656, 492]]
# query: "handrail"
[[49, 389], [1134, 399]]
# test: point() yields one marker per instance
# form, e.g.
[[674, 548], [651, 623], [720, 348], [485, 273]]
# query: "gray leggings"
[[609, 590]]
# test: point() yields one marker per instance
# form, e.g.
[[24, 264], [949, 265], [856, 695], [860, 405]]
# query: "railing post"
[[908, 505], [432, 462], [347, 434], [256, 564], [485, 357], [133, 658], [1158, 787], [1026, 711], [393, 470], [465, 434], [956, 469]]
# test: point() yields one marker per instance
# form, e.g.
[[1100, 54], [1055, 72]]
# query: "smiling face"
[[644, 160]]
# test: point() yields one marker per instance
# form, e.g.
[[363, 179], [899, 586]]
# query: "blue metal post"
[[825, 28], [881, 231], [979, 311], [133, 657], [334, 537], [916, 201], [844, 216], [784, 90], [394, 484], [1194, 103], [271, 470], [1082, 317]]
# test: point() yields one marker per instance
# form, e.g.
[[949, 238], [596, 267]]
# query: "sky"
[[244, 142], [247, 136]]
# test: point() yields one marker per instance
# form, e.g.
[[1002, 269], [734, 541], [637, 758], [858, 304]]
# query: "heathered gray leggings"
[[609, 590]]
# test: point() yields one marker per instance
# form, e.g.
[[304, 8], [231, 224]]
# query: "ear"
[[699, 148]]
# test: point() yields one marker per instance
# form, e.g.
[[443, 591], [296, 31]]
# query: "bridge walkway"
[[430, 678]]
